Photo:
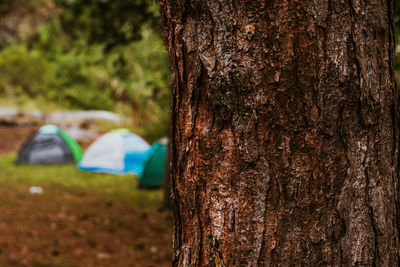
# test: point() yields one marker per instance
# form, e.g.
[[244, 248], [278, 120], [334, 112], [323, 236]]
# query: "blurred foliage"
[[94, 55], [4, 6], [109, 22]]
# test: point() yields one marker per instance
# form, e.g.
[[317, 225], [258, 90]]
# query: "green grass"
[[70, 179]]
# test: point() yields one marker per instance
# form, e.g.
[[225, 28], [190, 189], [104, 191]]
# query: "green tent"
[[153, 168]]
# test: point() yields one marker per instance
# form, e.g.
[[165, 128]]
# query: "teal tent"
[[153, 168]]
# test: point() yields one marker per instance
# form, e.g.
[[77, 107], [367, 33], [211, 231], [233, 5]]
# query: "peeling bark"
[[284, 140]]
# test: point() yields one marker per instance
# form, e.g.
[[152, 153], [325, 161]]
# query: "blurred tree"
[[4, 6], [19, 18], [108, 22]]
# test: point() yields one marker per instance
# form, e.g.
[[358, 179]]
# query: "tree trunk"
[[284, 132], [167, 204]]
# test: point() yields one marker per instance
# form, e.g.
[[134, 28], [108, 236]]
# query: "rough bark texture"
[[283, 140], [167, 203]]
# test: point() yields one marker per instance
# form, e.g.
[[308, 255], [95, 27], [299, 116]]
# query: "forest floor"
[[80, 219]]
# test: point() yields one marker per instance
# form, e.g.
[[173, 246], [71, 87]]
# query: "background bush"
[[93, 54]]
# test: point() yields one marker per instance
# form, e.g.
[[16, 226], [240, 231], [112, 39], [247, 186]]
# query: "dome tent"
[[50, 145], [118, 151], [152, 174]]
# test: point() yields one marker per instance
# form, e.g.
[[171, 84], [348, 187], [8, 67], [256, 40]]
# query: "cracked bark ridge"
[[283, 132]]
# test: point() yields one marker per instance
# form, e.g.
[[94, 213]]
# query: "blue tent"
[[118, 151]]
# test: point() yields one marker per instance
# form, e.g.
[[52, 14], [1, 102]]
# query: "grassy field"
[[69, 178], [80, 219]]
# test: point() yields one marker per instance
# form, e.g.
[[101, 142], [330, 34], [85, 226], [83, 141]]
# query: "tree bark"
[[167, 204], [284, 140]]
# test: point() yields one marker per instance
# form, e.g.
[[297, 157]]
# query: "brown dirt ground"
[[13, 137], [60, 228]]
